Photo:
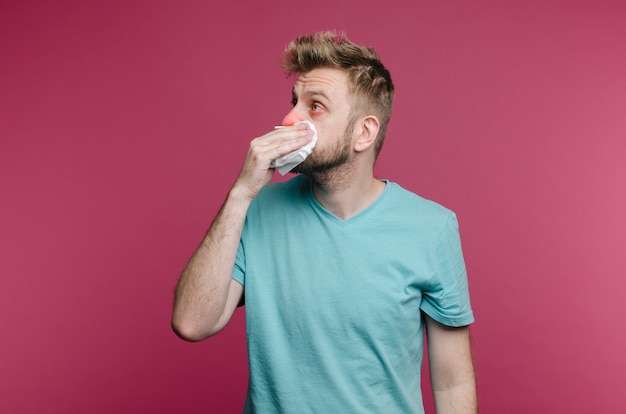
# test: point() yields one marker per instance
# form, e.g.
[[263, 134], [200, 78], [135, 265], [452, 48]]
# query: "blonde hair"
[[369, 79]]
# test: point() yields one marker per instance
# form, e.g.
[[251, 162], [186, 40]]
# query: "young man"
[[342, 271]]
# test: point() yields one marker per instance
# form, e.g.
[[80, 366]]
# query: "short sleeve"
[[240, 265], [447, 298]]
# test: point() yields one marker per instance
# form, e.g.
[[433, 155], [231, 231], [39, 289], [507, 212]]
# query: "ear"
[[367, 131]]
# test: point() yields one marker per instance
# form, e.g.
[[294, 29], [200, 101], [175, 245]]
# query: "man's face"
[[322, 97]]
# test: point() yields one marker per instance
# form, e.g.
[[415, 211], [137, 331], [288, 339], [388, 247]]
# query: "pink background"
[[123, 124]]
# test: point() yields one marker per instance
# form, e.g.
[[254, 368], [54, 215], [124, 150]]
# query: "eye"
[[294, 102], [316, 107]]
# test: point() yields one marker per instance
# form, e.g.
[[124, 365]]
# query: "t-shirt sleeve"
[[239, 268], [447, 299]]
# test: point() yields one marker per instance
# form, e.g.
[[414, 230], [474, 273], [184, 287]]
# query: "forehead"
[[327, 81]]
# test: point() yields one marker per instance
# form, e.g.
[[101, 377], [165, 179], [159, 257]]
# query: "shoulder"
[[278, 206], [407, 203]]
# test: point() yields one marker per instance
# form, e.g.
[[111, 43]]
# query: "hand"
[[256, 171]]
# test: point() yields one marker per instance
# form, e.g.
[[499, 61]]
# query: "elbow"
[[191, 332], [186, 334]]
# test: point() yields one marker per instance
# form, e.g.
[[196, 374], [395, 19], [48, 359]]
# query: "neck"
[[346, 191]]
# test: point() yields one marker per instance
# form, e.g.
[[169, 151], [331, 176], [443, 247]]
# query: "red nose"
[[291, 118]]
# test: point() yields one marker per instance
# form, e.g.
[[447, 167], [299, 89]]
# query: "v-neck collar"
[[355, 218]]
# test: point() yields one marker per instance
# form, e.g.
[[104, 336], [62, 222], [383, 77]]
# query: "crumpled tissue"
[[288, 162]]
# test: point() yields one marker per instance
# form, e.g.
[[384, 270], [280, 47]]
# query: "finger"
[[266, 153], [280, 136]]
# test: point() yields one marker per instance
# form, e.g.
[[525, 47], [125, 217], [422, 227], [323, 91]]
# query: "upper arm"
[[199, 333], [449, 353], [235, 298], [451, 368]]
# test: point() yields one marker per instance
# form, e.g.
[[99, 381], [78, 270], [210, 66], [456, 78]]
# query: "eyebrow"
[[309, 94]]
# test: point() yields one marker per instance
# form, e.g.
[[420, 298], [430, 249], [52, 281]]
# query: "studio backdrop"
[[124, 123]]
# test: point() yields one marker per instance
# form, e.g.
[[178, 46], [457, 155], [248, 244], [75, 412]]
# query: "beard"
[[326, 161]]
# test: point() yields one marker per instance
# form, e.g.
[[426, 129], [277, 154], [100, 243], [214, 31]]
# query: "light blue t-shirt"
[[333, 306]]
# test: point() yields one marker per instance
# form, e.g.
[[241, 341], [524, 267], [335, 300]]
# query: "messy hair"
[[368, 79]]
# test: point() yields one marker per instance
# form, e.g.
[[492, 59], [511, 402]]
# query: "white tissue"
[[288, 162]]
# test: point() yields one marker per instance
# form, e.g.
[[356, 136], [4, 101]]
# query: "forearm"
[[202, 304], [206, 296]]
